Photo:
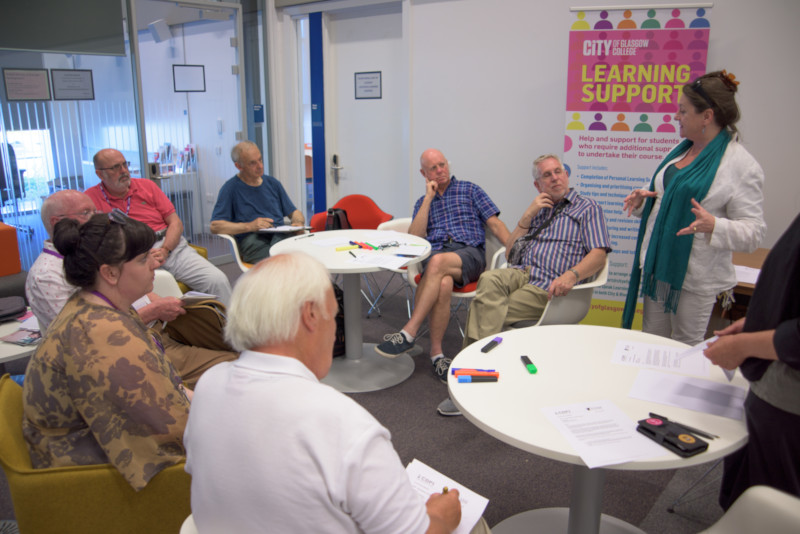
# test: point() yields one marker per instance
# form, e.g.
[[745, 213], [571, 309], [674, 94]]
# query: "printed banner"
[[626, 71]]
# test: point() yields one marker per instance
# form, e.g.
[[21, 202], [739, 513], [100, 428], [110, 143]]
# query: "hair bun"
[[67, 236], [729, 80]]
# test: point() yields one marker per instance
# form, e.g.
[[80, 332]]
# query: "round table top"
[[323, 245], [11, 351], [574, 365]]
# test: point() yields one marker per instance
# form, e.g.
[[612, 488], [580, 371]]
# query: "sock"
[[434, 358], [408, 336]]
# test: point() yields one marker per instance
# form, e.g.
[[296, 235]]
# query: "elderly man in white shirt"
[[271, 449]]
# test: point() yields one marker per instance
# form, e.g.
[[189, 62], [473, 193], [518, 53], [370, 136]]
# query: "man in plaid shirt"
[[451, 216]]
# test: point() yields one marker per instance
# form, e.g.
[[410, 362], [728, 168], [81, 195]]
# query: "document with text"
[[601, 433], [427, 480]]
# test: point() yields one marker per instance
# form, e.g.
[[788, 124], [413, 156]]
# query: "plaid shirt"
[[576, 230], [458, 215]]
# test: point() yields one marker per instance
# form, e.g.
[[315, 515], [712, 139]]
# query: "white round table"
[[11, 351], [362, 369], [574, 365]]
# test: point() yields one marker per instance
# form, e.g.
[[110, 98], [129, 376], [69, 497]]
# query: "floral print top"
[[100, 390]]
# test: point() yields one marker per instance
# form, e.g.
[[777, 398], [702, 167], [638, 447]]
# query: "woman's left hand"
[[703, 223]]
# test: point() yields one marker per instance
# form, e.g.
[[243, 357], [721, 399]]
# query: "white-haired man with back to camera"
[[271, 449]]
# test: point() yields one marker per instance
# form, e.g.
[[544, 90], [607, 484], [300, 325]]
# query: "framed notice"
[[69, 84], [368, 85], [26, 84], [189, 78]]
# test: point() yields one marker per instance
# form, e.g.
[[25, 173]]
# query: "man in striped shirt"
[[560, 240], [451, 216]]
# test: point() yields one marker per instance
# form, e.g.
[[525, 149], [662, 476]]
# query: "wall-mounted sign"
[[27, 84], [189, 78], [368, 85], [72, 84]]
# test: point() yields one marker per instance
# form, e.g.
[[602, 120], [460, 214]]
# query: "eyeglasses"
[[550, 174], [698, 88], [116, 168], [85, 214], [118, 216]]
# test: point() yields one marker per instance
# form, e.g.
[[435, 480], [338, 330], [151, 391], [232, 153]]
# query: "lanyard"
[[52, 253], [108, 200]]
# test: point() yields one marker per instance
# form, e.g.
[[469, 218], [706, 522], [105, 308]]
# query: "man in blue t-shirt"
[[250, 202], [451, 216]]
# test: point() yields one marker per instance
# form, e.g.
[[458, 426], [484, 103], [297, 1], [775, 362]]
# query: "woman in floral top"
[[99, 388]]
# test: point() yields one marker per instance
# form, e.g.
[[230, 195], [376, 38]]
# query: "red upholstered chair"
[[362, 213]]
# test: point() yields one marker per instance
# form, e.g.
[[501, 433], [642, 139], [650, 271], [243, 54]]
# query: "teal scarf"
[[667, 254]]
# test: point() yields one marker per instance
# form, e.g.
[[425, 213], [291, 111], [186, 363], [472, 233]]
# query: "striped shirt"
[[576, 230], [458, 215]]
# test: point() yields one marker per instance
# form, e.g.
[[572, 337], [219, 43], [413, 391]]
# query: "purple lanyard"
[[52, 253], [103, 297], [108, 201]]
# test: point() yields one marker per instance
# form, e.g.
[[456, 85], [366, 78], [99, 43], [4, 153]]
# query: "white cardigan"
[[736, 200]]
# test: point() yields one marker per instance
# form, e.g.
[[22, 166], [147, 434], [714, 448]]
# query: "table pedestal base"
[[370, 372], [556, 520]]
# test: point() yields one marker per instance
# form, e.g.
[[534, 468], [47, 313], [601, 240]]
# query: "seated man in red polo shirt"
[[141, 199]]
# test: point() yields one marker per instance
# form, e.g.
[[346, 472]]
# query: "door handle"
[[335, 168]]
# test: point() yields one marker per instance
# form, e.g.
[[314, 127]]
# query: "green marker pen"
[[528, 364]]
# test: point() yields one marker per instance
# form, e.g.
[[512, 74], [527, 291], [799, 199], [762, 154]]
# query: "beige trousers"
[[503, 298]]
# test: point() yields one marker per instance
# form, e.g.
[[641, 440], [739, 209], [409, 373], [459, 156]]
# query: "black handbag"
[[11, 308]]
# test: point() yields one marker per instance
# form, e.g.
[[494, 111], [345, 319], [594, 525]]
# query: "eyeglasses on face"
[[116, 168], [549, 175], [84, 214]]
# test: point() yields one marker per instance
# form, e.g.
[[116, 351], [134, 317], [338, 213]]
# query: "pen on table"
[[351, 253], [305, 236], [346, 247], [528, 365], [370, 245], [445, 490], [454, 369], [406, 255], [687, 427], [468, 378]]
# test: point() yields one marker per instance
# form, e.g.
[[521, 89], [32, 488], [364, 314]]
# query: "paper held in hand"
[[427, 480]]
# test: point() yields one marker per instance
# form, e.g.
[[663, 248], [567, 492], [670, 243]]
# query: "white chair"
[[572, 307], [495, 255], [760, 509], [244, 266], [397, 225], [188, 526], [165, 285]]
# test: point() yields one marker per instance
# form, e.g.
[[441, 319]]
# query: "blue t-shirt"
[[239, 202]]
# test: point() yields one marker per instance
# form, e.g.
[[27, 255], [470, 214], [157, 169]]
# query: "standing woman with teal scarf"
[[704, 202]]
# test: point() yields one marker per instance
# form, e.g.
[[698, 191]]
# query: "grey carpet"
[[512, 480]]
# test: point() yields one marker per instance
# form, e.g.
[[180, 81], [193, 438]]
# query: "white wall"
[[487, 85], [489, 89]]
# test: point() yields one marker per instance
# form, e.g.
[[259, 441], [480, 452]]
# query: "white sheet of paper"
[[385, 261], [695, 394], [412, 250], [696, 352], [663, 357], [31, 323], [601, 433], [427, 480], [747, 275], [283, 229]]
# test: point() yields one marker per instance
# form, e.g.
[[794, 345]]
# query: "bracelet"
[[577, 276]]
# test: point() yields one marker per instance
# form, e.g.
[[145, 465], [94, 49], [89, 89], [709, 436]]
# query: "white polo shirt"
[[271, 449]]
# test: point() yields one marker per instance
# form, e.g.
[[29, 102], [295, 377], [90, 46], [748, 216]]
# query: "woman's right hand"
[[634, 201]]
